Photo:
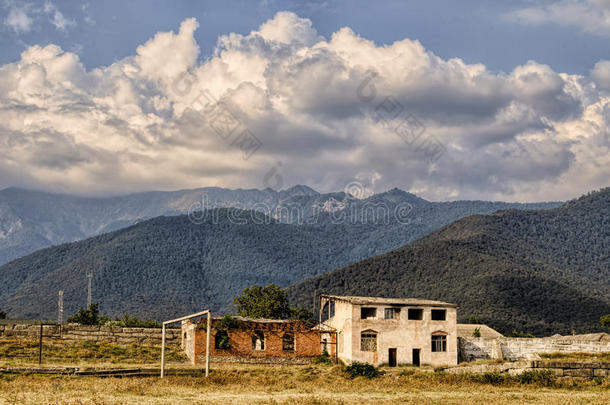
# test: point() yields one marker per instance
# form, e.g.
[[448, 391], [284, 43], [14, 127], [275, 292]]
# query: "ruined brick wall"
[[75, 332], [307, 343]]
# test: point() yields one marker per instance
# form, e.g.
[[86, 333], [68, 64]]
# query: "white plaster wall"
[[401, 334]]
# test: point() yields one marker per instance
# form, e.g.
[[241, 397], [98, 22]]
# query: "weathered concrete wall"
[[574, 368], [560, 368], [400, 334], [75, 332], [513, 349]]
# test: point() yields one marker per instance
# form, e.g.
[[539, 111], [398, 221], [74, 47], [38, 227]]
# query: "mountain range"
[[31, 220]]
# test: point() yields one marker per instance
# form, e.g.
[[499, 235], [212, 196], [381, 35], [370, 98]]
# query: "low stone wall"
[[583, 369], [75, 332], [574, 368], [257, 360], [513, 349]]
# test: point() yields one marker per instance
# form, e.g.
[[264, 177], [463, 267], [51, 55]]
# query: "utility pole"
[[60, 310], [89, 277]]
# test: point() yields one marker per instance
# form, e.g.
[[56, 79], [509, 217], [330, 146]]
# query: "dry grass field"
[[266, 384]]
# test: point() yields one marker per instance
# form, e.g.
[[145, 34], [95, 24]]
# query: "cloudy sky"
[[450, 100]]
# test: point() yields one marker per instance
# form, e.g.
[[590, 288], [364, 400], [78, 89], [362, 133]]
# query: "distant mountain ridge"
[[544, 272], [32, 220]]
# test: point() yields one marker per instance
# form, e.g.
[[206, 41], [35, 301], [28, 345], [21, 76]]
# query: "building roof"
[[257, 320], [466, 330], [356, 300]]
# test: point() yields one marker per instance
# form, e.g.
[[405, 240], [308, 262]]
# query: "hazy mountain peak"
[[397, 195], [301, 189]]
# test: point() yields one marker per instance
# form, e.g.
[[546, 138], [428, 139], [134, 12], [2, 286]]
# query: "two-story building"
[[392, 331]]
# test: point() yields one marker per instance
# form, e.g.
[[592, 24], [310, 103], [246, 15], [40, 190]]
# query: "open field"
[[294, 384], [24, 352], [241, 383]]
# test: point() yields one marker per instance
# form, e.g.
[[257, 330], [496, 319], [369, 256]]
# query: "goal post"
[[207, 339]]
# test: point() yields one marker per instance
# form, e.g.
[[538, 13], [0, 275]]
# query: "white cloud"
[[23, 16], [57, 18], [592, 16], [18, 17], [141, 123]]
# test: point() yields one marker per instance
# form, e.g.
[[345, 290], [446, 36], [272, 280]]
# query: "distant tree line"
[[91, 316]]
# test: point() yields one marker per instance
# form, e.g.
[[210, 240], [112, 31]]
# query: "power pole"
[[60, 311], [89, 277], [60, 308]]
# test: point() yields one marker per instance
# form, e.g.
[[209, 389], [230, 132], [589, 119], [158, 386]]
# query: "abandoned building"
[[379, 331], [392, 331], [255, 340]]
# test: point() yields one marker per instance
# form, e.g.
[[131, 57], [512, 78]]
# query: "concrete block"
[[578, 372]]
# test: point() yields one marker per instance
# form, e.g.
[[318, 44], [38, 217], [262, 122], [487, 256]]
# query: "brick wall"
[[75, 332], [307, 343]]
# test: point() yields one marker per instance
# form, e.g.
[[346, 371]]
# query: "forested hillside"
[[542, 272], [169, 265]]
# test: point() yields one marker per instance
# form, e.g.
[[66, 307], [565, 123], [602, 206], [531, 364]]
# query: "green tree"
[[2, 315], [605, 321], [302, 314], [269, 302], [473, 320], [89, 316]]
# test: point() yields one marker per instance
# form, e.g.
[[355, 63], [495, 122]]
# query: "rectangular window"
[[288, 342], [439, 343], [439, 314], [392, 313], [368, 342], [416, 314], [368, 313], [258, 341]]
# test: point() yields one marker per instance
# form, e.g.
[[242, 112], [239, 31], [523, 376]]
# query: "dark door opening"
[[416, 357], [392, 357]]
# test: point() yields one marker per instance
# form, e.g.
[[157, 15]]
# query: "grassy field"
[[271, 384], [24, 352]]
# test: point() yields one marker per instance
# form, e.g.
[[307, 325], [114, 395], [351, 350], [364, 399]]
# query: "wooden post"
[[162, 350], [40, 346], [207, 344]]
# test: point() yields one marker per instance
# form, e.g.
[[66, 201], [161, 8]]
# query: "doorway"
[[416, 357], [392, 357]]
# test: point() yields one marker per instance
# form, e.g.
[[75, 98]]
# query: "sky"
[[449, 100]]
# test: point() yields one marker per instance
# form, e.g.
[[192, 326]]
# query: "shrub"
[[517, 334], [130, 321], [228, 322], [223, 341], [358, 369], [89, 316], [541, 377], [473, 319], [323, 358], [493, 377], [604, 321], [477, 332], [2, 315]]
